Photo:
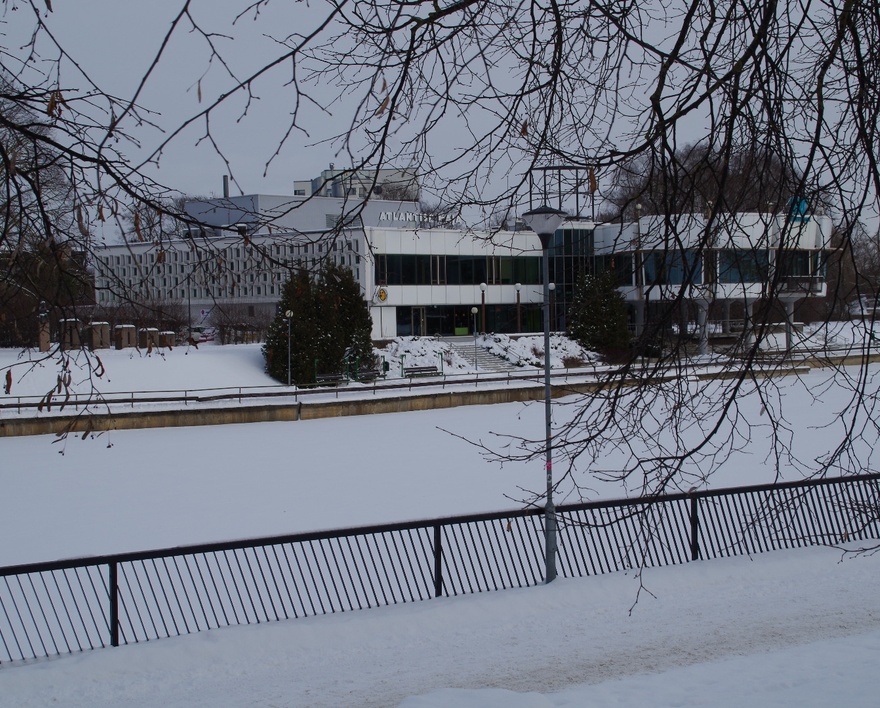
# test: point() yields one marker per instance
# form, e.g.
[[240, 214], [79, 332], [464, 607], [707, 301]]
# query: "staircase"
[[484, 361]]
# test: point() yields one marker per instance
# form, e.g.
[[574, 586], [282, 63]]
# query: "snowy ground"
[[29, 373], [211, 366], [74, 497], [792, 628]]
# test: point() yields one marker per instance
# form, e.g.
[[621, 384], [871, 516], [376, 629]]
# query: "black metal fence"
[[55, 608]]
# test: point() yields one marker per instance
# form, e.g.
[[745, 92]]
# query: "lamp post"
[[43, 335], [189, 305], [518, 287], [544, 221], [483, 287], [474, 313], [287, 317]]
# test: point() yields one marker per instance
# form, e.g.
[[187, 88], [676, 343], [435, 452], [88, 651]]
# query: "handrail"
[[306, 536], [253, 393], [70, 605], [239, 393]]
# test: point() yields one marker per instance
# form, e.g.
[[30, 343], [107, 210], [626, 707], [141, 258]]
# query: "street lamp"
[[474, 313], [544, 221], [483, 287], [518, 287], [288, 317], [43, 335], [189, 304]]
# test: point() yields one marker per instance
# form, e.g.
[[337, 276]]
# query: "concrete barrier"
[[82, 423], [314, 410]]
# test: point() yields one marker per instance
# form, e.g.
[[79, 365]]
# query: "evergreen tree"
[[329, 317], [298, 298], [346, 322], [597, 317]]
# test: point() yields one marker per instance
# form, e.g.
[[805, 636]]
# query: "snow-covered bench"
[[413, 371]]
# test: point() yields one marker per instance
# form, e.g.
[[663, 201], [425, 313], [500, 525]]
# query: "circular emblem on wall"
[[382, 294]]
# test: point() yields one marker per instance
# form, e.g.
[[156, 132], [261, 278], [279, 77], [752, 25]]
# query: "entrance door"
[[419, 322]]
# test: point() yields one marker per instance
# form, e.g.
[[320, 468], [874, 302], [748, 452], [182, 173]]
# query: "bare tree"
[[724, 108]]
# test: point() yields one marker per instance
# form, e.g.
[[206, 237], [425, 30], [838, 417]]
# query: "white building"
[[359, 184], [421, 278], [732, 258]]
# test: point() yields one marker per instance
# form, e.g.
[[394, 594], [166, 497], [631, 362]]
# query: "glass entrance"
[[419, 322]]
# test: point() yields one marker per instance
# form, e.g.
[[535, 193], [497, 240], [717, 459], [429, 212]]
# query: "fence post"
[[114, 605], [695, 527], [438, 565]]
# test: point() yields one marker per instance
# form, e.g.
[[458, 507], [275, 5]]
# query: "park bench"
[[368, 375], [413, 371], [329, 378]]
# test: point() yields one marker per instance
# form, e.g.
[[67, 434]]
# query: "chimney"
[[226, 186]]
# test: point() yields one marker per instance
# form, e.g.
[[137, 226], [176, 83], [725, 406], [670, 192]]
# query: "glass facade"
[[430, 320], [571, 254], [741, 266], [397, 269], [673, 267]]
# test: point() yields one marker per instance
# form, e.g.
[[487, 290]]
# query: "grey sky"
[[115, 42]]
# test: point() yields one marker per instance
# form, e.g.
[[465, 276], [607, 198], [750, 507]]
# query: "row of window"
[[398, 269], [251, 255], [660, 267], [728, 266]]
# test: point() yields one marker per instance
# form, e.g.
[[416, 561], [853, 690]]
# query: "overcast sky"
[[115, 42]]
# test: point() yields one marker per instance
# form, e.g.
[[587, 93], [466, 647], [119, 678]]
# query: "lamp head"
[[544, 221]]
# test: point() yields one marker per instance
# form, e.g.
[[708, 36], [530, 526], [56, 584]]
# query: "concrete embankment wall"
[[78, 424], [309, 410]]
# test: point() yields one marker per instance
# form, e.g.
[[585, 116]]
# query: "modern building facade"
[[421, 277], [360, 184], [730, 258]]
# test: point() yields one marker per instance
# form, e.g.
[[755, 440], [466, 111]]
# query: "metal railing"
[[272, 393], [55, 608]]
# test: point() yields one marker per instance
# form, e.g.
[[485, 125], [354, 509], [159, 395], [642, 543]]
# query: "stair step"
[[484, 360]]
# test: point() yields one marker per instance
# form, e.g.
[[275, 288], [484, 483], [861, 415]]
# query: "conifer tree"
[[329, 317], [298, 298], [346, 323], [597, 318]]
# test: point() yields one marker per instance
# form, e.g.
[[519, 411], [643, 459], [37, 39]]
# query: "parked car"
[[203, 334]]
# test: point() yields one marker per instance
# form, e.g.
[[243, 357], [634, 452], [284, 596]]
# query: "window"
[[438, 270], [407, 270], [527, 270], [743, 266], [795, 264], [620, 263], [493, 270], [672, 268]]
